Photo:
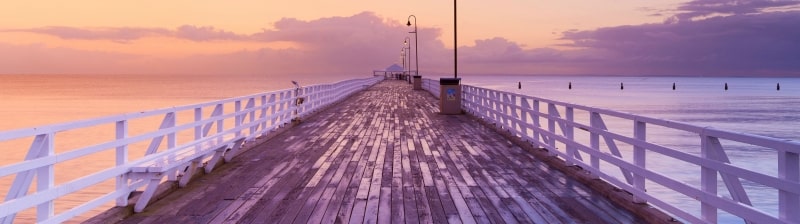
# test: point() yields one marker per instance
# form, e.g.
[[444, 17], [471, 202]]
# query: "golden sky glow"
[[533, 23], [256, 36]]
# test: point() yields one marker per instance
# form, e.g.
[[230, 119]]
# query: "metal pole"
[[416, 43], [408, 46], [403, 58], [409, 63], [455, 41]]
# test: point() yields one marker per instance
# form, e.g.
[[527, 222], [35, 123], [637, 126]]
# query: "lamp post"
[[416, 42], [405, 44], [455, 40], [403, 58], [450, 88]]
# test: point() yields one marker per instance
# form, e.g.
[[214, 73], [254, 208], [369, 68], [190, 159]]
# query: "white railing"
[[574, 133], [432, 86], [251, 116]]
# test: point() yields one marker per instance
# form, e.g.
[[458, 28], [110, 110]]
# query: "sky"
[[346, 37]]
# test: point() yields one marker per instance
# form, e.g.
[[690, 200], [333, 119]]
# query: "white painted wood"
[[594, 143], [41, 157], [503, 111], [122, 159], [639, 157], [789, 170]]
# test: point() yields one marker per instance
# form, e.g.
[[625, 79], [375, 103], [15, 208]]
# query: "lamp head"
[[409, 23]]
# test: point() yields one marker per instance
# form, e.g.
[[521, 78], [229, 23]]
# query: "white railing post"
[[121, 160], [220, 121], [45, 179], [19, 188], [282, 105], [263, 116], [198, 128], [524, 113], [238, 119], [708, 181], [594, 142], [536, 122], [504, 103], [789, 169], [515, 109], [551, 127], [639, 157], [273, 101], [251, 103], [171, 120], [569, 133], [497, 100]]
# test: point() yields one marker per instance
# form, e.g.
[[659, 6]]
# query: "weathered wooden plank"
[[371, 209], [243, 204], [387, 156], [490, 212], [435, 205]]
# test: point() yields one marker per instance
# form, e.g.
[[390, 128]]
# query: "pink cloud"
[[206, 33], [701, 8], [126, 34], [754, 44]]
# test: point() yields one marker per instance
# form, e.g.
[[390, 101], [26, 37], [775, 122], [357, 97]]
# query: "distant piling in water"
[[778, 88], [570, 85], [673, 86], [726, 86], [519, 85], [621, 86]]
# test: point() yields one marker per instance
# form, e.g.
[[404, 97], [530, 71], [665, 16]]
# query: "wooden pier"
[[385, 156]]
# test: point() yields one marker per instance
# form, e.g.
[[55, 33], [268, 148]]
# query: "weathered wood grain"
[[385, 156]]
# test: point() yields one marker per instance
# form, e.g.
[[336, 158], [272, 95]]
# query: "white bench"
[[152, 168]]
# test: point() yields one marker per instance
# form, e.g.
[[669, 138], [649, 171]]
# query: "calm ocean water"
[[37, 100], [751, 105]]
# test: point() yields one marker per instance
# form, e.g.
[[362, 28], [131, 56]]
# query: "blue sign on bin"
[[451, 94]]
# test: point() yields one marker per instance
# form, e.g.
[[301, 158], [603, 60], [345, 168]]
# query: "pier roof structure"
[[385, 156]]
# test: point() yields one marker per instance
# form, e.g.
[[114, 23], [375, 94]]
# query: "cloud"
[[127, 34], [206, 33], [762, 43], [738, 44], [114, 34], [704, 8], [328, 46]]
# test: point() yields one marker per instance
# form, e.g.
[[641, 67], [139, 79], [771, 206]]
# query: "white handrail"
[[552, 125], [252, 116], [432, 86]]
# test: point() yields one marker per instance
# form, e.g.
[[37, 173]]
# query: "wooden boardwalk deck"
[[385, 156]]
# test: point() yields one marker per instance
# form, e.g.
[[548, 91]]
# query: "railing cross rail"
[[505, 111], [41, 158]]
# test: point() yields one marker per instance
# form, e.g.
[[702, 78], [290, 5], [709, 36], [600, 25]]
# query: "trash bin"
[[450, 96], [417, 82]]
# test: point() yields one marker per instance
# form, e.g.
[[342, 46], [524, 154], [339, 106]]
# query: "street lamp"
[[416, 42], [455, 40], [403, 58], [450, 88], [405, 44]]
